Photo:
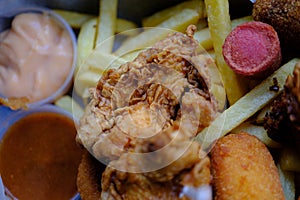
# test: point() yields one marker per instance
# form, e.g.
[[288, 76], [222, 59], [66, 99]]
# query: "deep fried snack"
[[89, 177], [142, 118], [283, 15], [243, 168], [282, 122], [135, 186]]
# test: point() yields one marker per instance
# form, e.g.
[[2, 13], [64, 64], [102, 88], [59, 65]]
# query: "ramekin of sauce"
[[37, 55], [39, 156]]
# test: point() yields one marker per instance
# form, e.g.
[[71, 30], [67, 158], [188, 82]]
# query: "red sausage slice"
[[252, 49]]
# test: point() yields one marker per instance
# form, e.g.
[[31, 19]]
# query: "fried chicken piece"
[[283, 121], [153, 107], [89, 177], [164, 183], [135, 186], [147, 95], [243, 168]]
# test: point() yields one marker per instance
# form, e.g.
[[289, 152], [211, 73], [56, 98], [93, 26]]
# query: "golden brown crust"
[[142, 118], [283, 15], [89, 177], [243, 168]]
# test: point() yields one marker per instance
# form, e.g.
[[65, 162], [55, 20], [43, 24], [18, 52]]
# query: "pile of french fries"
[[240, 104]]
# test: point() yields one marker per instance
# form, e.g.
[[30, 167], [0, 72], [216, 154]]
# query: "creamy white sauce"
[[35, 57]]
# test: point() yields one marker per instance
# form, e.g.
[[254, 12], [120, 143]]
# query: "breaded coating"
[[243, 168], [284, 16], [89, 177], [142, 118], [282, 122]]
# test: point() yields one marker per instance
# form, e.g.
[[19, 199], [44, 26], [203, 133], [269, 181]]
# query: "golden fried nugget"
[[243, 168]]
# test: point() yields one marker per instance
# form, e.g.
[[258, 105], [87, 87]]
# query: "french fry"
[[85, 41], [106, 25], [289, 160], [99, 61], [202, 23], [238, 21], [287, 180], [245, 107], [211, 53], [261, 115], [259, 132], [131, 55], [88, 79], [203, 35], [145, 39], [204, 39], [92, 68], [124, 25], [220, 26], [217, 87], [69, 104], [159, 17], [95, 65], [74, 19]]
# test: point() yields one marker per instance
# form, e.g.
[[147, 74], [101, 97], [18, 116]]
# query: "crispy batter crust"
[[243, 168], [89, 177], [283, 15], [141, 120]]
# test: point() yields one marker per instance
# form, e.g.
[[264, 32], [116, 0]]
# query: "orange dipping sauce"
[[39, 157]]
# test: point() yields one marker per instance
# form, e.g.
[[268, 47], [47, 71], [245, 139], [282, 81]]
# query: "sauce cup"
[[9, 118], [6, 19]]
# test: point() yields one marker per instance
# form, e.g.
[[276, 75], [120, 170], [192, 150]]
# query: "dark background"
[[129, 9]]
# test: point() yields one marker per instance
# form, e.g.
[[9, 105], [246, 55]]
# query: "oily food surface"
[[160, 99], [39, 157]]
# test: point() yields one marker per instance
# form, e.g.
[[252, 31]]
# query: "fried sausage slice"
[[253, 50]]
